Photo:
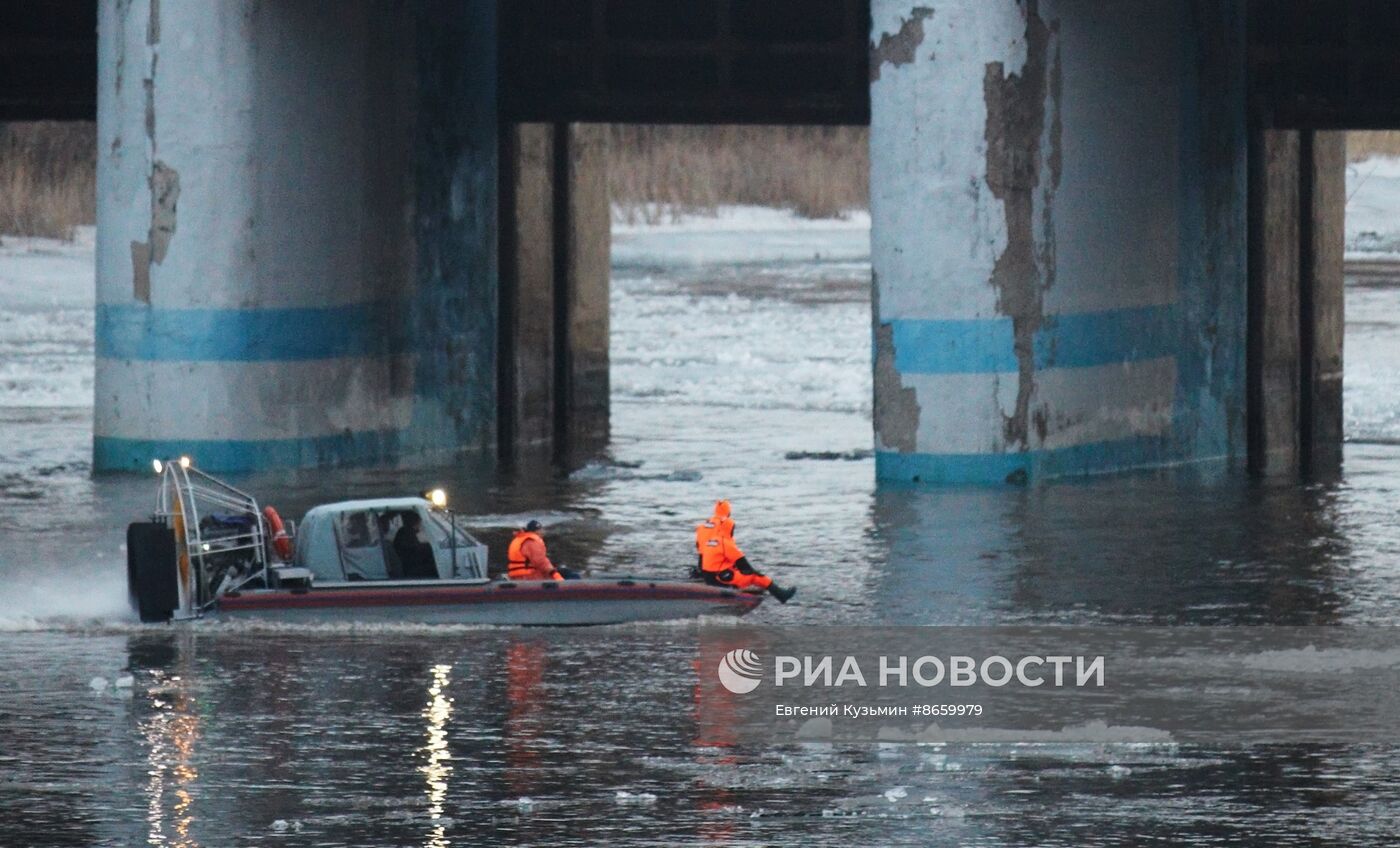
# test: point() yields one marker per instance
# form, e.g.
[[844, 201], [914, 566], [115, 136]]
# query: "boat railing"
[[219, 530]]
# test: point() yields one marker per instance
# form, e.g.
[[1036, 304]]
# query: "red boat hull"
[[572, 602]]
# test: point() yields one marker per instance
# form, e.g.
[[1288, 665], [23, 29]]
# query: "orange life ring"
[[281, 542]]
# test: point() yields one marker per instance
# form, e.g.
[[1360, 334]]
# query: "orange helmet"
[[721, 509]]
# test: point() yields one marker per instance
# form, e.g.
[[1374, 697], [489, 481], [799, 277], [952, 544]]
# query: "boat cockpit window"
[[359, 530], [361, 546]]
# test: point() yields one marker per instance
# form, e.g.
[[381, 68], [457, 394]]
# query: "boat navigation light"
[[184, 462], [437, 497], [158, 466]]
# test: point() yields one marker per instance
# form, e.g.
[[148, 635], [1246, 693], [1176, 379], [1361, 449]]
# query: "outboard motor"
[[152, 570]]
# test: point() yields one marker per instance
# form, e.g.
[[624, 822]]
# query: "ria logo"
[[740, 671]]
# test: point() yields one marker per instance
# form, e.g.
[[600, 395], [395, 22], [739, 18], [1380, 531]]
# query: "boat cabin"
[[355, 540]]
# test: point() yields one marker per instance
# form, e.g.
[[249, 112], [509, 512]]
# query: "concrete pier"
[[1105, 236], [1296, 297], [296, 256], [1058, 200], [555, 245]]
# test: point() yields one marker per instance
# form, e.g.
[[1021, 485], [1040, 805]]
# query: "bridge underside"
[[1104, 236]]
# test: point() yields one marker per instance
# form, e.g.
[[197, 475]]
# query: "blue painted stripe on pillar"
[[349, 448], [150, 334], [993, 468], [972, 346], [1078, 340]]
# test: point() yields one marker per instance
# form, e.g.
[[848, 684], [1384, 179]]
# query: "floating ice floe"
[[625, 797], [125, 681], [1118, 772], [896, 793], [98, 684]]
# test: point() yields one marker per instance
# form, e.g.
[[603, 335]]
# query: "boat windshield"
[[441, 531], [462, 555]]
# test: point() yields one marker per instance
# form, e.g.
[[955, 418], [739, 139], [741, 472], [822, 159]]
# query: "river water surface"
[[234, 735]]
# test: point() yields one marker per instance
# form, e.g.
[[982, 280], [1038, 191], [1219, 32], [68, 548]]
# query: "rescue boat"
[[209, 551]]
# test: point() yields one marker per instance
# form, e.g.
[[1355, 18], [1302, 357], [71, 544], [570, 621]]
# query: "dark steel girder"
[[659, 61], [1313, 64]]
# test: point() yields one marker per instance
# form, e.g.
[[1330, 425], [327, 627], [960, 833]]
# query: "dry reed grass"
[[48, 171], [1362, 144], [660, 171], [48, 175]]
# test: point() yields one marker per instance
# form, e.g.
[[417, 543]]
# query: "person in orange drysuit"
[[721, 561], [527, 558]]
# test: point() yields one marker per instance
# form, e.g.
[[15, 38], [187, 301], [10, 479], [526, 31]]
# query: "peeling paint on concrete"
[[162, 181], [141, 271], [153, 24], [149, 83], [123, 8], [165, 194], [898, 48], [1059, 309], [896, 410], [1016, 116]]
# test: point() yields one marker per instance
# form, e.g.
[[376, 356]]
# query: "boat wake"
[[64, 602]]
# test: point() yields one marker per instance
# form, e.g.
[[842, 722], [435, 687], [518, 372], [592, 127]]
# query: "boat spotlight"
[[437, 497], [158, 466], [184, 462]]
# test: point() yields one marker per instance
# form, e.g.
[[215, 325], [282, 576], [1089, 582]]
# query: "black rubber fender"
[[152, 571]]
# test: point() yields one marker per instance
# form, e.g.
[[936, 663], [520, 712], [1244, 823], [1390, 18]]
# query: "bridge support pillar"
[[1297, 209], [1058, 195], [296, 260], [555, 236]]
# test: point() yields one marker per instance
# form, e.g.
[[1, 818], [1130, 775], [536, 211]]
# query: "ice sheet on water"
[[515, 520], [611, 471], [741, 235], [730, 218], [1373, 196], [853, 455], [46, 321], [41, 272]]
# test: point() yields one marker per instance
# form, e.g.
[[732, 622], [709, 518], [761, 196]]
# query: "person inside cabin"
[[723, 564], [358, 531], [388, 524], [415, 555]]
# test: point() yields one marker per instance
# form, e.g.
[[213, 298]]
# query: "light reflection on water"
[[171, 732], [404, 735], [437, 770]]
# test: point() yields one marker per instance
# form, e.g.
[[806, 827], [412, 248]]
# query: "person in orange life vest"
[[527, 558], [721, 561]]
